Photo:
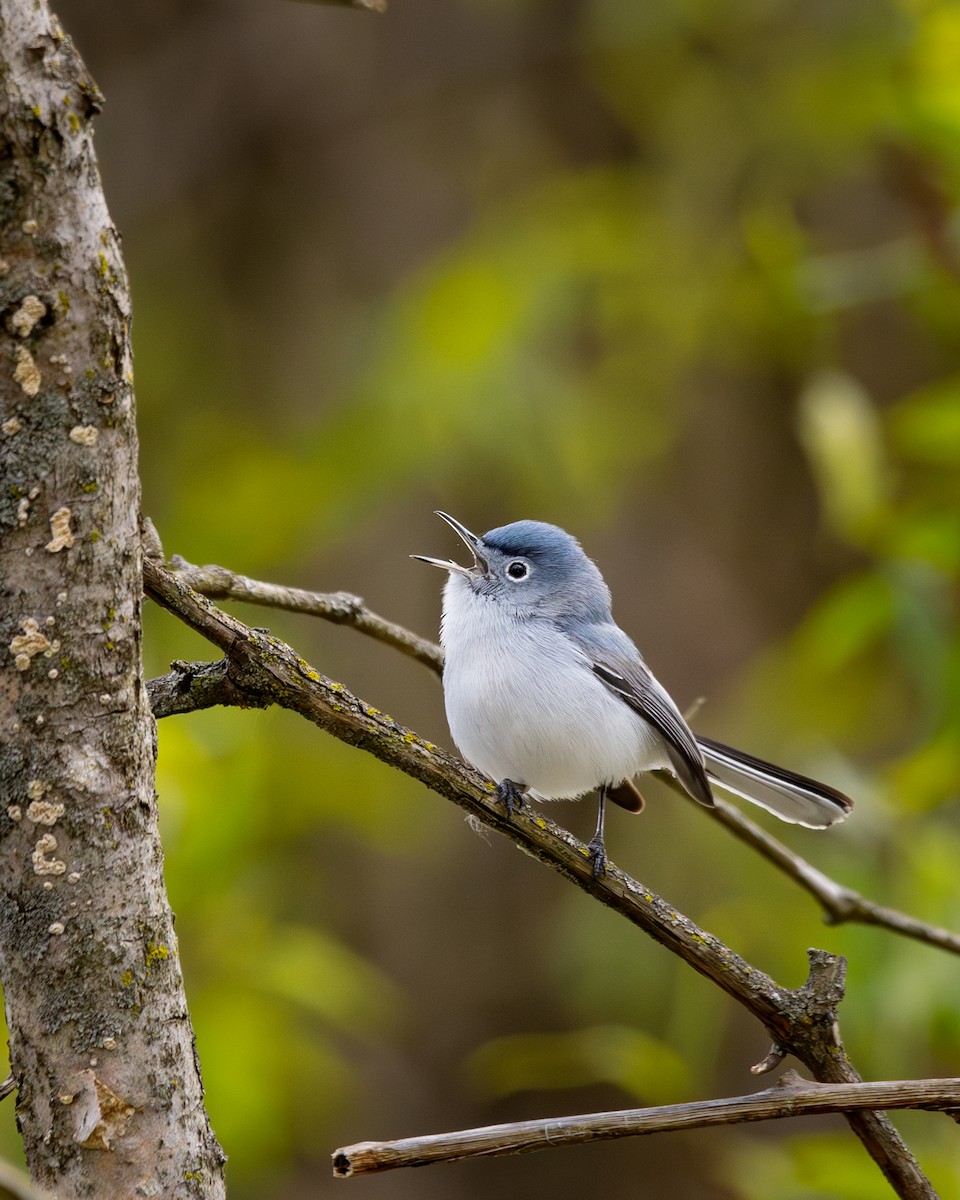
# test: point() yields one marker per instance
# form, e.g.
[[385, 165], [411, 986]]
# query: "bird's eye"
[[518, 570]]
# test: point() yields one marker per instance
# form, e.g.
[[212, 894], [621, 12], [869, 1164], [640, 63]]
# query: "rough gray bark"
[[110, 1098]]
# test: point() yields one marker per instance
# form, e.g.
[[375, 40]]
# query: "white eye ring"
[[518, 569]]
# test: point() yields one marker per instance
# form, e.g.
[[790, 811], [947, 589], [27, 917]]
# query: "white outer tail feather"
[[792, 798]]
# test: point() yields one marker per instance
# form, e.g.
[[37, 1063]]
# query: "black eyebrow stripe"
[[508, 548]]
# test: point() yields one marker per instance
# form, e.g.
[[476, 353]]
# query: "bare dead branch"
[[790, 1096], [802, 1021], [840, 904], [378, 6], [342, 608]]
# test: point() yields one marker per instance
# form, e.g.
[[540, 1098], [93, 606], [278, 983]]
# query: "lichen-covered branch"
[[193, 686], [790, 1096], [109, 1098], [802, 1022]]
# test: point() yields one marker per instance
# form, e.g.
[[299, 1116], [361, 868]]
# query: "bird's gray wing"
[[617, 663]]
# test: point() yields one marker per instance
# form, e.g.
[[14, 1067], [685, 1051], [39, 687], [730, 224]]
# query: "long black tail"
[[789, 796]]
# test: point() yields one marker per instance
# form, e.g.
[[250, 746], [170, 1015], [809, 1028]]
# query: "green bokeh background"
[[681, 276]]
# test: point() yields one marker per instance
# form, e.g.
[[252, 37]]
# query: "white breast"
[[523, 704]]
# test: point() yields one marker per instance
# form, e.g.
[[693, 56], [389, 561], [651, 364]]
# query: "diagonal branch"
[[790, 1096], [801, 1022], [342, 608], [840, 904]]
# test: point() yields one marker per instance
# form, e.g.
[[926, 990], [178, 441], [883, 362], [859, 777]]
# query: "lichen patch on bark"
[[42, 863], [27, 315], [26, 372], [45, 812], [62, 536], [25, 645], [84, 435]]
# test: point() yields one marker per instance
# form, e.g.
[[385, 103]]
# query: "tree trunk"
[[110, 1097]]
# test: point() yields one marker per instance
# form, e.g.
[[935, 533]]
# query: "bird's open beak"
[[470, 540]]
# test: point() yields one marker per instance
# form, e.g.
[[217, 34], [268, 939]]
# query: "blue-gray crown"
[[535, 540]]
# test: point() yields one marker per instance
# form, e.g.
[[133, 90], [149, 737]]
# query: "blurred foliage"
[[819, 1167], [682, 276], [616, 1054]]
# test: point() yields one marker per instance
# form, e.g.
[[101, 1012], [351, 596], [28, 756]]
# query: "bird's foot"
[[598, 856], [510, 795]]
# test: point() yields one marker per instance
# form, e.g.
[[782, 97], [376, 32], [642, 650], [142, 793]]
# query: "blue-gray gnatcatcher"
[[547, 695]]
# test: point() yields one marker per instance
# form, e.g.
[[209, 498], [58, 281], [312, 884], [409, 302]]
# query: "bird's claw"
[[598, 856], [510, 796]]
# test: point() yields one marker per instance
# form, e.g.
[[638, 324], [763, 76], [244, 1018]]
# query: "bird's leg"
[[598, 852], [510, 795]]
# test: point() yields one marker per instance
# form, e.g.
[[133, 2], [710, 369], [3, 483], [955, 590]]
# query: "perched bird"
[[548, 696]]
